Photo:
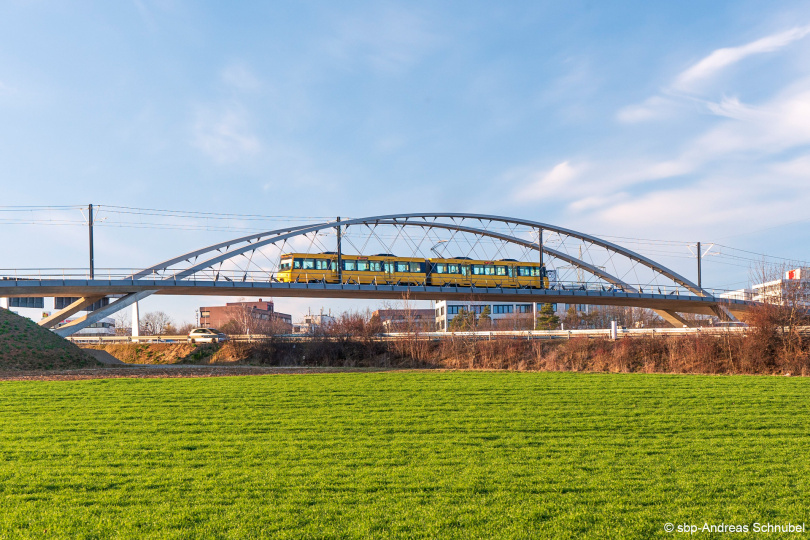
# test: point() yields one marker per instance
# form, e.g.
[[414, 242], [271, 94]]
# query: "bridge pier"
[[724, 313], [112, 307], [72, 309], [136, 320], [672, 317]]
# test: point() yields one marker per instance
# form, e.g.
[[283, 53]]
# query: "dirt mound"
[[25, 345], [158, 353], [104, 357]]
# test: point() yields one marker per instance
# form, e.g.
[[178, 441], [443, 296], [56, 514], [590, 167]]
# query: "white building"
[[312, 323], [739, 294], [501, 313], [38, 308], [794, 287]]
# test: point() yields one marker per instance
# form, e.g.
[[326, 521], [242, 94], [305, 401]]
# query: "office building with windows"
[[504, 315]]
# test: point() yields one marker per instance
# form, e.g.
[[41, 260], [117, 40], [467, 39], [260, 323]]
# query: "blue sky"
[[676, 121]]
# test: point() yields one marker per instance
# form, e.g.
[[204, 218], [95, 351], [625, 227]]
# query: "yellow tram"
[[387, 269]]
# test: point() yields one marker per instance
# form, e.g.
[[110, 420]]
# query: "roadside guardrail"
[[486, 335]]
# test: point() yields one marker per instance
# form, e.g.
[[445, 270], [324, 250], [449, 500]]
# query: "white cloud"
[[390, 40], [684, 90], [778, 125], [727, 56], [224, 136], [239, 76], [730, 173], [651, 109], [721, 203], [731, 108], [549, 183], [6, 90], [593, 185]]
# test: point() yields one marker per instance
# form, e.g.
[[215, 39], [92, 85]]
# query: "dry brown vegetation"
[[773, 345]]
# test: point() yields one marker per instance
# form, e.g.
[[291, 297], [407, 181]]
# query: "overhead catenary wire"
[[114, 216]]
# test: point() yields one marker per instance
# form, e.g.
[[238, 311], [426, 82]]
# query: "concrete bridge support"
[[136, 320], [72, 309], [99, 314], [672, 317]]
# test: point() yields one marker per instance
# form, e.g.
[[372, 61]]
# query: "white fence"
[[395, 336]]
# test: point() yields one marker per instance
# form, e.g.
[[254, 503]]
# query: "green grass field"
[[402, 454]]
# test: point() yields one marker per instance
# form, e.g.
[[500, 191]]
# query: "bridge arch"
[[184, 267]]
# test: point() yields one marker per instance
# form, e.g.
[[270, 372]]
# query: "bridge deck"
[[86, 287]]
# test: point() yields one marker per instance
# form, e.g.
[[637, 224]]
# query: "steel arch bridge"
[[585, 269]]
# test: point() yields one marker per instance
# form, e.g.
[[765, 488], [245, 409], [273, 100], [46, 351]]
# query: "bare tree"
[[784, 309], [123, 324], [245, 319], [185, 328], [156, 323]]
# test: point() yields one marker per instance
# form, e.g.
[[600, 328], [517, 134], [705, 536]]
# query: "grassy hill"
[[24, 345]]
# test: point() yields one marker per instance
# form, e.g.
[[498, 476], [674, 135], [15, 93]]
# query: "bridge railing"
[[234, 276]]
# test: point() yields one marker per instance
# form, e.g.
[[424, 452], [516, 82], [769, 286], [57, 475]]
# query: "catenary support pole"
[[699, 257], [90, 229], [540, 249], [540, 245], [339, 254]]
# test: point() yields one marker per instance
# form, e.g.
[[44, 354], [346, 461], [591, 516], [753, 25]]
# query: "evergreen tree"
[[485, 321], [546, 319], [464, 321]]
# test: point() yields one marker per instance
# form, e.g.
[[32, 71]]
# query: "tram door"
[[388, 269], [512, 272], [465, 274]]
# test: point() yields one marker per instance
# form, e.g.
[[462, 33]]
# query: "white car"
[[206, 335]]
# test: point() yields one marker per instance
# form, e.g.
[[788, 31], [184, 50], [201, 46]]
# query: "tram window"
[[402, 266], [452, 269], [416, 267], [440, 268], [297, 263], [375, 266], [525, 271], [349, 265], [489, 270], [535, 271], [389, 267], [309, 264], [362, 266], [478, 269], [322, 264], [500, 270], [286, 264]]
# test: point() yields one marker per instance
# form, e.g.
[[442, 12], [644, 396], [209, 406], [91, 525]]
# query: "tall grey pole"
[[90, 226], [540, 249], [339, 256], [700, 285], [540, 245]]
